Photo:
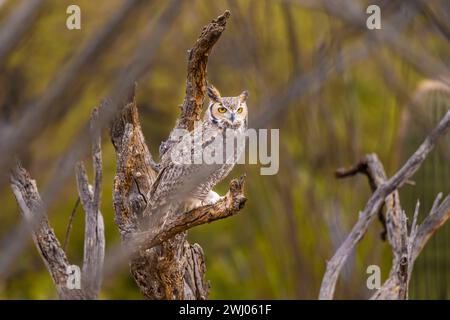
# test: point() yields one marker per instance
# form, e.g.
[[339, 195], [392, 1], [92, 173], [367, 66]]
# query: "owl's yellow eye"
[[240, 110], [222, 109]]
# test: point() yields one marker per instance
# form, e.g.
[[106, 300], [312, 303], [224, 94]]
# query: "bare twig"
[[69, 224], [94, 237], [96, 159], [437, 217]]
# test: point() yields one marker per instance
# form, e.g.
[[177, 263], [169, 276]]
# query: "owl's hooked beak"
[[232, 117]]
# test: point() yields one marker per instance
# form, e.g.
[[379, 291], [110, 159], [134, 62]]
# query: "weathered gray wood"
[[30, 205], [55, 259], [439, 214], [416, 241], [374, 205], [395, 223], [94, 239], [94, 236]]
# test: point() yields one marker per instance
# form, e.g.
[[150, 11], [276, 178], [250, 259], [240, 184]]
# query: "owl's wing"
[[178, 181]]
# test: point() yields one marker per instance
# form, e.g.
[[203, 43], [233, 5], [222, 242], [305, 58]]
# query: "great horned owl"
[[182, 186]]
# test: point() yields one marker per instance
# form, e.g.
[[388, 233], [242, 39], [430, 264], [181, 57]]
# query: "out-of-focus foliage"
[[277, 247]]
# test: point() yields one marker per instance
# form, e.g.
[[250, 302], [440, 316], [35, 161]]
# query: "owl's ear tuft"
[[243, 96], [214, 94]]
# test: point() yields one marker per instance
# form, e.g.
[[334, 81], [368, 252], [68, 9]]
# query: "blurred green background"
[[277, 247]]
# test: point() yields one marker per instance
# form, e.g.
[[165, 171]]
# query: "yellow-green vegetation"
[[277, 247]]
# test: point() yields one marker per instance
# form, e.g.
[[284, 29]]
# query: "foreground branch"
[[375, 203], [16, 26]]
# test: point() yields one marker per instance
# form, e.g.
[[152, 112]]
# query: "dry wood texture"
[[33, 210], [163, 263]]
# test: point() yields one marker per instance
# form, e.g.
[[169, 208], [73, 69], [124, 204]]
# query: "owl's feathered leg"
[[211, 198], [193, 203]]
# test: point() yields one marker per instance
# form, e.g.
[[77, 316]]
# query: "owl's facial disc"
[[228, 115], [227, 112]]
